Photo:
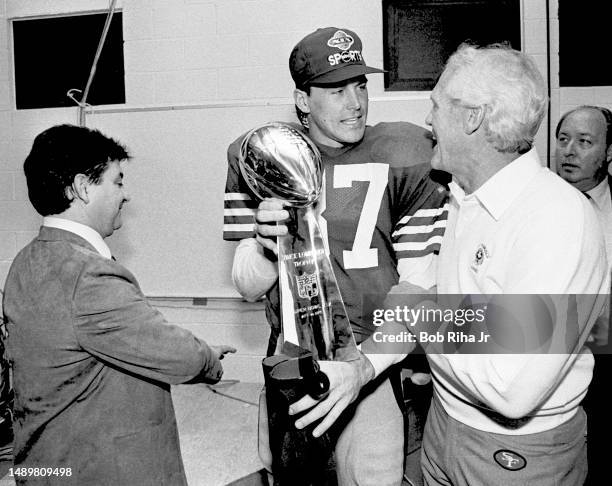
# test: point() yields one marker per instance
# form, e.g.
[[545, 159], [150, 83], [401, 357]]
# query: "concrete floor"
[[218, 432], [218, 435]]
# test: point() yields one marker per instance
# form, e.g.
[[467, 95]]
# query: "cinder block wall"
[[226, 57]]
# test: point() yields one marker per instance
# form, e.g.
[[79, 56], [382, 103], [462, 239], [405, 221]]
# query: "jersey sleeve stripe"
[[420, 237], [237, 196], [411, 230], [425, 216], [239, 227], [416, 245], [238, 212], [433, 249], [233, 232], [239, 203], [419, 221], [238, 220], [237, 235]]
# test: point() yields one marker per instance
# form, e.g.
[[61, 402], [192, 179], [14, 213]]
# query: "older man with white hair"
[[514, 227]]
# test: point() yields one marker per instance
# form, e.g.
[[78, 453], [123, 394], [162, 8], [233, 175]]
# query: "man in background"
[[382, 214], [583, 153], [92, 360]]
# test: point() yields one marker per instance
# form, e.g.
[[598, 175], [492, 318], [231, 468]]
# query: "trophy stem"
[[313, 314], [327, 324]]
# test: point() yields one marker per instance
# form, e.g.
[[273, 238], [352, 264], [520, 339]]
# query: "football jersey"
[[383, 213]]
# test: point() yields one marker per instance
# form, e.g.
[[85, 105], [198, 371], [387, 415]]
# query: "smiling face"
[[106, 198], [581, 153], [336, 115], [446, 124]]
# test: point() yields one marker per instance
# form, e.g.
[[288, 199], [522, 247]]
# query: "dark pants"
[[599, 420]]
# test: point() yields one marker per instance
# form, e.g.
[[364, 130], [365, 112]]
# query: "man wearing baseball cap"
[[379, 212], [328, 56]]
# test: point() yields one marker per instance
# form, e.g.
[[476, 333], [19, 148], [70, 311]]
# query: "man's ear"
[[609, 154], [473, 118], [79, 188], [301, 100]]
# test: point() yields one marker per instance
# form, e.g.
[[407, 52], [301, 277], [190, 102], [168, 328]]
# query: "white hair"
[[510, 87]]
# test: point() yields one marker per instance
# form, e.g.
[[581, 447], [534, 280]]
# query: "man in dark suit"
[[583, 154], [92, 360]]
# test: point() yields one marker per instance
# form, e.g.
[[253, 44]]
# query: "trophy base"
[[298, 458]]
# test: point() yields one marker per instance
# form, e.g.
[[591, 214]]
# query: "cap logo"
[[341, 40]]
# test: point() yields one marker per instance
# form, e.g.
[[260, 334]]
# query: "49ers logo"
[[509, 460], [341, 40]]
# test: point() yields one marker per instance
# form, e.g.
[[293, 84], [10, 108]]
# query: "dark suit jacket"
[[93, 364]]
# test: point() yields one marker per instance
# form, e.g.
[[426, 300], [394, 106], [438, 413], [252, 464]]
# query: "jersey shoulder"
[[400, 143]]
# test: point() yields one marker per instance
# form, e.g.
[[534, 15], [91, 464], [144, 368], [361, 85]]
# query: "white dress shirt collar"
[[600, 195], [499, 192], [88, 234]]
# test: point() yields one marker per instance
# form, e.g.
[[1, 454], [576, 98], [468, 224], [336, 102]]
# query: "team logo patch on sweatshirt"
[[512, 461], [481, 254]]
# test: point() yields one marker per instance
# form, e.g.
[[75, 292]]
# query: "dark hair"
[[302, 117], [607, 114], [60, 153]]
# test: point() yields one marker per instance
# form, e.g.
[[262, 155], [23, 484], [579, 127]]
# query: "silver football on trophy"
[[278, 160]]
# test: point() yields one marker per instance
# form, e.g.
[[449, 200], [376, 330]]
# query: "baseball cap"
[[327, 56]]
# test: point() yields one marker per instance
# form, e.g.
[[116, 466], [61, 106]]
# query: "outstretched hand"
[[346, 378], [222, 349]]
